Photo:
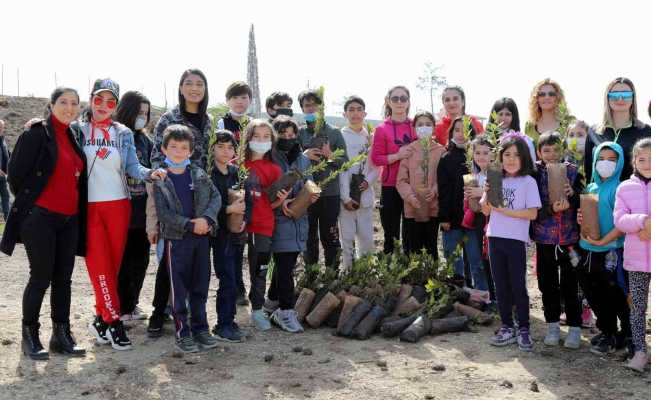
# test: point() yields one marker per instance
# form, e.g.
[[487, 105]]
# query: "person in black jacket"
[[134, 111], [4, 161], [620, 125], [47, 174]]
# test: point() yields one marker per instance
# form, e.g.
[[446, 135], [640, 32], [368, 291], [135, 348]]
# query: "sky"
[[491, 48]]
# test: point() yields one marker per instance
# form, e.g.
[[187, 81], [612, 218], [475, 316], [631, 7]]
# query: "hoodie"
[[355, 144], [632, 207], [606, 190], [388, 138]]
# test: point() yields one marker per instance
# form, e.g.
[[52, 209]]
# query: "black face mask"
[[285, 144], [285, 111]]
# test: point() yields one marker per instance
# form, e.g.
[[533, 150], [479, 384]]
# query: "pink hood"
[[632, 207]]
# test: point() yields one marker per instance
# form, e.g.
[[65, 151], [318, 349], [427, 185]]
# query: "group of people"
[[95, 185]]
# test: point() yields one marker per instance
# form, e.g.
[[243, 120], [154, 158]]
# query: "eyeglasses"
[[110, 103], [546, 94], [401, 99], [626, 95]]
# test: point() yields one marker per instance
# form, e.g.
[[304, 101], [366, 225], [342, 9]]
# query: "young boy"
[[279, 103], [226, 245], [238, 99], [601, 276], [356, 219], [556, 234], [323, 214], [187, 204]]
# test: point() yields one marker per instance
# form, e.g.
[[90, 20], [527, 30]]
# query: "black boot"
[[31, 344], [63, 342]]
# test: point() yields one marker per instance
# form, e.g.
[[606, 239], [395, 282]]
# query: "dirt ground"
[[453, 366]]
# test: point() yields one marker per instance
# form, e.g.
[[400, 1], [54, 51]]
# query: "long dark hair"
[[129, 108], [55, 95], [203, 106], [458, 120], [526, 164], [509, 104]]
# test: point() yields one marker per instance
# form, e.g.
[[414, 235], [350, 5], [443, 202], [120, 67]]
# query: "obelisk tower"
[[252, 76]]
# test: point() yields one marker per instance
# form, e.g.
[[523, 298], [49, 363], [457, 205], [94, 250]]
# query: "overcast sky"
[[491, 48]]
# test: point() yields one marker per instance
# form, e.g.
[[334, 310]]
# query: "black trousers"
[[421, 235], [323, 219], [282, 281], [162, 288], [391, 209], [549, 260], [605, 296], [133, 269], [508, 258], [50, 241], [259, 256]]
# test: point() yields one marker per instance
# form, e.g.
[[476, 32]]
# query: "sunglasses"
[[401, 99], [546, 94], [110, 103], [623, 95]]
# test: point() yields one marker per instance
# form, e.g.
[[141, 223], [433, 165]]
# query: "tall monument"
[[252, 76]]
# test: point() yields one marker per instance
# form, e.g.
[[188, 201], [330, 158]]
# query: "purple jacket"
[[632, 207]]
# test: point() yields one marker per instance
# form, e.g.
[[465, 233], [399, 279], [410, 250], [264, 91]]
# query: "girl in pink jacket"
[[631, 214]]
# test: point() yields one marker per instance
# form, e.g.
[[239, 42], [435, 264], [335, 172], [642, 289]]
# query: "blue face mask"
[[310, 117], [172, 164]]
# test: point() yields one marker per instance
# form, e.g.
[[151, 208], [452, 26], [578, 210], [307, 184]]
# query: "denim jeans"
[[454, 237]]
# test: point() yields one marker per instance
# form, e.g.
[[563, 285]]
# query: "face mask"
[[285, 144], [172, 164], [424, 131], [605, 168], [459, 145], [260, 147], [140, 123], [285, 111], [310, 117], [580, 143], [236, 114]]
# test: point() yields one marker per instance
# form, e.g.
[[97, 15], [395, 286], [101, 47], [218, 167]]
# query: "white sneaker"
[[638, 362], [260, 320], [138, 314], [286, 320], [553, 336]]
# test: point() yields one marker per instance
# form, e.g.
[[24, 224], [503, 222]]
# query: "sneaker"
[[98, 329], [242, 300], [504, 337], [270, 306], [286, 320], [524, 340], [239, 330], [573, 338], [155, 327], [622, 341], [228, 334], [638, 362], [118, 336], [260, 320], [605, 345], [186, 345], [596, 338], [553, 336], [587, 319], [138, 314], [126, 317], [205, 340]]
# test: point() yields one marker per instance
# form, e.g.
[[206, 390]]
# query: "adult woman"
[[619, 124], [390, 142], [47, 174], [134, 111], [544, 102], [454, 102], [111, 155]]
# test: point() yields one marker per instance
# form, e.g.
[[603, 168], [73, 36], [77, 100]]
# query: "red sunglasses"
[[110, 103]]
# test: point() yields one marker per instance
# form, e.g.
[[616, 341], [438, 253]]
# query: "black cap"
[[106, 85]]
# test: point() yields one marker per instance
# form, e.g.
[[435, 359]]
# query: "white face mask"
[[580, 143], [236, 114], [260, 147], [424, 131], [605, 168], [140, 123]]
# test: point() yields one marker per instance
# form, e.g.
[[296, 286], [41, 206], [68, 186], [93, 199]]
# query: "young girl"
[[508, 119], [421, 230], [451, 169], [632, 206], [577, 133], [454, 102], [260, 137], [390, 142], [508, 235]]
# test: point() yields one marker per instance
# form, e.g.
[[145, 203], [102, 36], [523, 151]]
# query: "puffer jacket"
[[632, 208], [410, 176]]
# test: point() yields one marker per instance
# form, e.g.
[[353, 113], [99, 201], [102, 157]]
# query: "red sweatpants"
[[108, 223]]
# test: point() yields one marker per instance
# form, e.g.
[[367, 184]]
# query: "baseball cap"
[[106, 85]]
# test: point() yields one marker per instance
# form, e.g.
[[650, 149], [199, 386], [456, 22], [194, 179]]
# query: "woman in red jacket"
[[454, 102]]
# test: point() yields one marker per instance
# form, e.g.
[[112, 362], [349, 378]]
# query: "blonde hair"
[[579, 123], [607, 120], [535, 113], [642, 144]]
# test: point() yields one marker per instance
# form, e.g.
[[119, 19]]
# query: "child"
[[577, 133], [279, 103], [187, 204], [451, 169], [226, 245], [508, 119], [356, 219], [421, 232], [260, 137], [238, 99], [508, 234], [556, 233], [323, 214], [290, 234], [632, 217], [602, 262]]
